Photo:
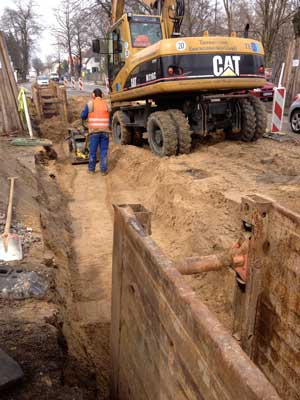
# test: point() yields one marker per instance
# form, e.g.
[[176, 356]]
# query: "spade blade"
[[11, 248]]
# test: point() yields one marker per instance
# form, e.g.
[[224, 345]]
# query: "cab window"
[[144, 34], [116, 53]]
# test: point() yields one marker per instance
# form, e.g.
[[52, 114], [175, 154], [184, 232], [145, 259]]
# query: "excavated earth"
[[62, 341]]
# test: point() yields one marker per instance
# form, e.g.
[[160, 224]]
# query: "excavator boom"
[[117, 8], [172, 12]]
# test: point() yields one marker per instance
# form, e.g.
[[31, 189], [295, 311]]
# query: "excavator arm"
[[117, 9], [172, 12]]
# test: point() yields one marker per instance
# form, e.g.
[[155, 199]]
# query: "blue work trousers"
[[100, 139]]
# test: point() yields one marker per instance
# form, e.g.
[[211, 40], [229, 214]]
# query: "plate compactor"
[[78, 145]]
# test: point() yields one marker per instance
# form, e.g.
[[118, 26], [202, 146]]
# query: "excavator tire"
[[120, 134], [183, 131], [248, 121], [162, 136], [261, 117]]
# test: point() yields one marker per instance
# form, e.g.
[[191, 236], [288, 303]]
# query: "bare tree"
[[14, 50], [228, 6], [64, 29], [272, 15], [199, 16], [22, 23], [38, 65]]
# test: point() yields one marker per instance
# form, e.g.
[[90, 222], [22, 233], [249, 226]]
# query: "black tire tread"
[[183, 131], [261, 116], [126, 136], [296, 110], [170, 141], [248, 121]]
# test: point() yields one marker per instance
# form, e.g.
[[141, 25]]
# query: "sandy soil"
[[30, 329], [195, 204]]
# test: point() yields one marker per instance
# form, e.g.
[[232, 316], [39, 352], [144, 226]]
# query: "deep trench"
[[79, 343]]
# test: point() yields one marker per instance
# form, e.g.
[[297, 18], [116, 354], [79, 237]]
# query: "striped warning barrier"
[[73, 82], [66, 82], [80, 81], [278, 109], [107, 85]]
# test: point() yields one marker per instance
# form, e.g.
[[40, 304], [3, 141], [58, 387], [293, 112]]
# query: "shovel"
[[10, 243]]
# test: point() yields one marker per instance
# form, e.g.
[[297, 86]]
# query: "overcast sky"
[[45, 10]]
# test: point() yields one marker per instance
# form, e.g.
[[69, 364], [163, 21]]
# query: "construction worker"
[[97, 114]]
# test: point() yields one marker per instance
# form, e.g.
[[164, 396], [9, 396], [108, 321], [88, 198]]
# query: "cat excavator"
[[169, 87]]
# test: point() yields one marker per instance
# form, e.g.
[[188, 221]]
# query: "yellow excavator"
[[169, 87]]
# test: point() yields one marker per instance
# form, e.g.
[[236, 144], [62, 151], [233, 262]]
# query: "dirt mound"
[[195, 199], [76, 105], [57, 130]]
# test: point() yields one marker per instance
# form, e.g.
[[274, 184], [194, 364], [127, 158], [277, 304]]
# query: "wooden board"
[[10, 118], [166, 344], [269, 315]]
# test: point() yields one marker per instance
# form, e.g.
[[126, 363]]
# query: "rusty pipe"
[[194, 265], [236, 258]]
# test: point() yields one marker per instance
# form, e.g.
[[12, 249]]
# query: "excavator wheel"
[[248, 121], [120, 134], [261, 117], [162, 136], [183, 131]]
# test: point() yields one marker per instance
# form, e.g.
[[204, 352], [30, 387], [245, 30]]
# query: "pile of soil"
[[57, 130], [195, 199], [31, 330]]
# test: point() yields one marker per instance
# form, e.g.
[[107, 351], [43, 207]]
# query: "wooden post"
[[254, 215], [11, 120]]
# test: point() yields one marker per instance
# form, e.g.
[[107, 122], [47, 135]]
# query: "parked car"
[[54, 77], [294, 114], [42, 80], [266, 93]]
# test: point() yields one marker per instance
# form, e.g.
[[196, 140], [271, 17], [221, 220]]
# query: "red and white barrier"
[[278, 109], [80, 81], [66, 82], [73, 82], [107, 85]]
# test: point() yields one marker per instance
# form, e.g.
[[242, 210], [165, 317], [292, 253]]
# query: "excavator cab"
[[128, 36], [144, 31]]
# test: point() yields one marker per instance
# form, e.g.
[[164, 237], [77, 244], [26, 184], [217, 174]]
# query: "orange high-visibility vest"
[[98, 117]]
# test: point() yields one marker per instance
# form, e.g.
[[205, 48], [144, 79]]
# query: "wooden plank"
[[204, 358], [254, 212], [10, 72], [117, 271], [9, 91], [5, 121]]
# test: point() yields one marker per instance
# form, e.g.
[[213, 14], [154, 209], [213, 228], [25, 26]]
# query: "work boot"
[[90, 171], [103, 173]]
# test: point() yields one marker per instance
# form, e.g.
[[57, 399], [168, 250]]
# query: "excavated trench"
[[77, 228], [195, 204]]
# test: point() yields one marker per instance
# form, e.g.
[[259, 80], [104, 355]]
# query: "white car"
[[54, 77], [42, 80]]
